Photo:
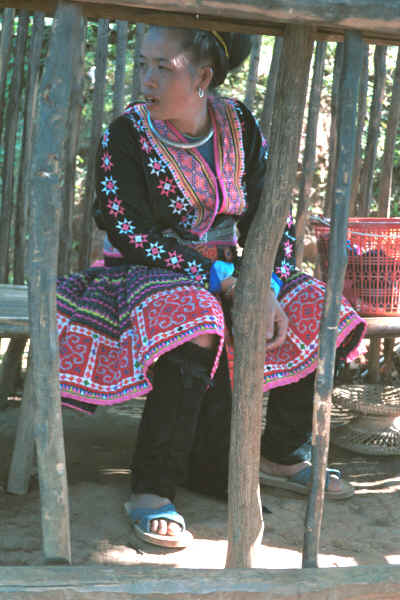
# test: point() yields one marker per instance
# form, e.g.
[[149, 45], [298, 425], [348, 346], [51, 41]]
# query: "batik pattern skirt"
[[114, 322]]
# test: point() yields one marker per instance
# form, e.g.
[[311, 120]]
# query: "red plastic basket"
[[372, 280]]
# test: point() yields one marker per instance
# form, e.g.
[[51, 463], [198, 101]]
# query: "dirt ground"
[[360, 531]]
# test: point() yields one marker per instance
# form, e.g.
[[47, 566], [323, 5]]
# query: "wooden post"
[[385, 183], [5, 47], [10, 136], [31, 90], [22, 460], [45, 198], [362, 112], [85, 238], [252, 75], [268, 106], [373, 359], [309, 150], [120, 63], [71, 147], [245, 525], [333, 130], [139, 35], [337, 266], [367, 173]]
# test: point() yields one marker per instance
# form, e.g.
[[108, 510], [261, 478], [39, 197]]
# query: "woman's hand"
[[228, 286], [277, 323]]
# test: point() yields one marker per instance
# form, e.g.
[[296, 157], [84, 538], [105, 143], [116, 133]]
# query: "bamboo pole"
[[252, 76], [268, 105], [32, 84], [361, 114], [309, 150], [10, 136], [333, 130], [5, 49], [120, 64], [139, 35], [71, 148], [85, 238], [349, 83], [385, 182], [245, 525], [45, 197], [367, 173]]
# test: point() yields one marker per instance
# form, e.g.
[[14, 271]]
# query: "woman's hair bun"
[[238, 45]]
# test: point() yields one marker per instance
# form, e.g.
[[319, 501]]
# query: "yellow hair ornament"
[[221, 41]]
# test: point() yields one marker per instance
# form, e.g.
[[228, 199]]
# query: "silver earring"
[[201, 92]]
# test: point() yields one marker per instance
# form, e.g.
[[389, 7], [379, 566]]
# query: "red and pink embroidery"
[[174, 260], [106, 163], [188, 174], [114, 207]]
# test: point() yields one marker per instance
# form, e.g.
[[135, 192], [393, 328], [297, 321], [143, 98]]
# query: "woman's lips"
[[151, 101]]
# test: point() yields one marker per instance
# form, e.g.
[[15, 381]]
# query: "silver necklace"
[[184, 145]]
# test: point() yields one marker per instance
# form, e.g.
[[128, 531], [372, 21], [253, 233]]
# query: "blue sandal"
[[141, 518], [300, 482]]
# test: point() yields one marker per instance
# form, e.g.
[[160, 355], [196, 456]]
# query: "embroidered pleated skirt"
[[114, 322]]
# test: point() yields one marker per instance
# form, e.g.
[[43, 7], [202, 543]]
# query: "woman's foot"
[[159, 526], [335, 484]]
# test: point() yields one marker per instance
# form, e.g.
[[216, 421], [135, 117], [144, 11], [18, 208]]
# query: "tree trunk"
[[45, 199], [252, 75], [309, 151], [385, 183], [71, 148], [245, 523], [5, 48], [139, 35], [367, 173], [362, 112], [120, 63], [9, 147], [268, 106], [347, 131], [333, 131], [97, 123]]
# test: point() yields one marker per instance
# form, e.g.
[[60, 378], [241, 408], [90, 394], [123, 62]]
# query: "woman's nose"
[[148, 78]]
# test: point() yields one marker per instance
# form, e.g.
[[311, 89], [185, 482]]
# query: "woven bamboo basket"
[[375, 428]]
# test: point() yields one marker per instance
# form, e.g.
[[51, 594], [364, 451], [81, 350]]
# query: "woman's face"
[[169, 82]]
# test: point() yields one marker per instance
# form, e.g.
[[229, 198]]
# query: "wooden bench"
[[14, 312]]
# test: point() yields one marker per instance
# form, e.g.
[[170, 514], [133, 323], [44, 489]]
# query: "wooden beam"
[[377, 22], [108, 582], [46, 183]]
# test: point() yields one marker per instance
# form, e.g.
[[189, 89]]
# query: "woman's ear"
[[206, 75]]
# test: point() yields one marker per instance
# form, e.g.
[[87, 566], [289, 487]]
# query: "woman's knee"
[[208, 340]]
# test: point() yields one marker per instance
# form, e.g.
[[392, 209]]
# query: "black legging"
[[286, 436], [184, 435]]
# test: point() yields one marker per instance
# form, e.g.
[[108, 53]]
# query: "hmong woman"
[[179, 178]]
